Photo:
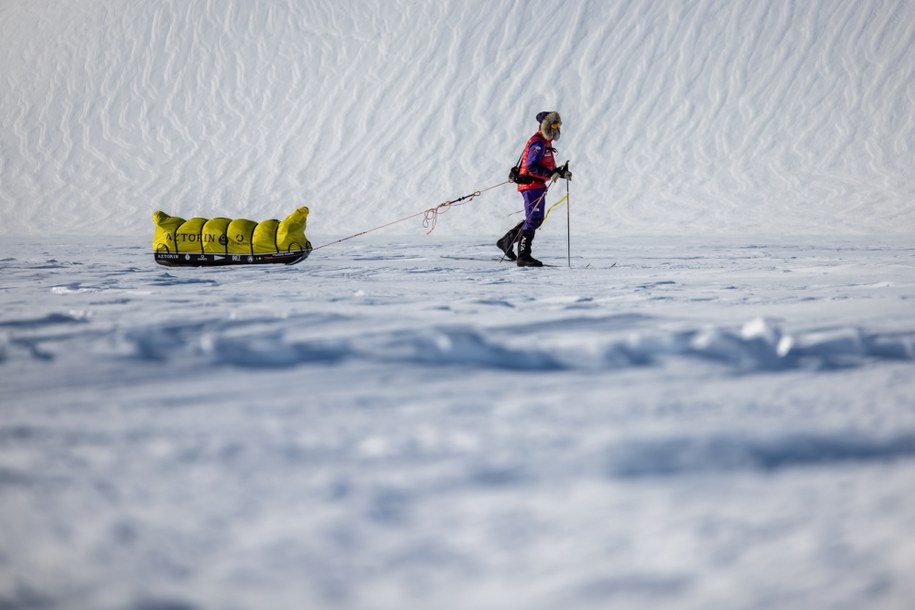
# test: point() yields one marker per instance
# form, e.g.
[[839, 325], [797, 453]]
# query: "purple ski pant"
[[534, 208]]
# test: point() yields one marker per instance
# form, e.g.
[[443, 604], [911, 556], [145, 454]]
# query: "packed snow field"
[[664, 424], [711, 407]]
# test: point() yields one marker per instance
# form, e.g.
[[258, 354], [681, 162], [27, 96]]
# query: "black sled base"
[[187, 259]]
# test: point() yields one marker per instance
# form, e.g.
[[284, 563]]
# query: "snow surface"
[[712, 407]]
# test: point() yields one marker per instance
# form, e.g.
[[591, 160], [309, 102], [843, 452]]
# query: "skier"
[[538, 166]]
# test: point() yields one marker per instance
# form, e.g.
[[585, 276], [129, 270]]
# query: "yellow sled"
[[202, 242]]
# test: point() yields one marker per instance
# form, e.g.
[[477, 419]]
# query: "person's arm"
[[534, 156]]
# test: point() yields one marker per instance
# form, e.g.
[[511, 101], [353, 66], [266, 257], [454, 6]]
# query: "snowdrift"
[[581, 344], [224, 241]]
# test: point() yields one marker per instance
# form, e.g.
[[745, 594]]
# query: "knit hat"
[[546, 120]]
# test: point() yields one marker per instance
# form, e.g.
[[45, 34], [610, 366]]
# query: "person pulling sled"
[[536, 168]]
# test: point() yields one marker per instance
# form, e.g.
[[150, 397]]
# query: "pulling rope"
[[430, 216]]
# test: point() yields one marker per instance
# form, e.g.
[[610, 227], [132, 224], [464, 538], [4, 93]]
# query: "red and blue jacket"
[[537, 162]]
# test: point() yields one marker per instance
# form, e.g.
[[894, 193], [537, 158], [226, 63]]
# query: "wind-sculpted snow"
[[489, 328], [203, 344], [790, 117]]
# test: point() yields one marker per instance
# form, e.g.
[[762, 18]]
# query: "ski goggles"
[[555, 124]]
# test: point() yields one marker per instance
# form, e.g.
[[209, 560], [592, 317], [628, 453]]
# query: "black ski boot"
[[524, 251], [507, 243]]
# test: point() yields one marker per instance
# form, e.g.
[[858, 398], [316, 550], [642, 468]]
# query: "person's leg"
[[507, 243], [534, 205], [534, 208]]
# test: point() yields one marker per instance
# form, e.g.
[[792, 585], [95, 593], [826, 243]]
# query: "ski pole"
[[568, 225]]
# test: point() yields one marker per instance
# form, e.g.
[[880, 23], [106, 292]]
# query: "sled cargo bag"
[[240, 232], [214, 236], [204, 242], [188, 237]]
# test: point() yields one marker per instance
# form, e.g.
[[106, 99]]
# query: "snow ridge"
[[759, 346]]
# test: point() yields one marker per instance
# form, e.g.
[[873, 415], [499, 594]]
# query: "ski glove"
[[561, 173]]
